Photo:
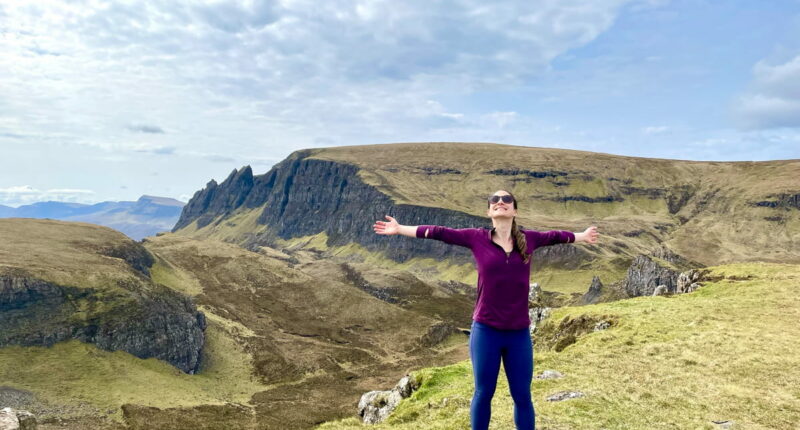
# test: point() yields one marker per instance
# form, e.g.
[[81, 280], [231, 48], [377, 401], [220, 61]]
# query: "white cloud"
[[25, 194], [304, 68], [774, 99], [193, 89], [661, 129]]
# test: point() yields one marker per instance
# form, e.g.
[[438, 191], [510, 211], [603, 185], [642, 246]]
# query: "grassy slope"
[[85, 380], [238, 226], [724, 229], [732, 230], [258, 310], [64, 253], [725, 352], [76, 379]]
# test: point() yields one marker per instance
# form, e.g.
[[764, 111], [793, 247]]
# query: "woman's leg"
[[518, 363], [484, 351]]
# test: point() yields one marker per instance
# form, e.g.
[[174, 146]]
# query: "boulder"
[[375, 406], [15, 419], [537, 314]]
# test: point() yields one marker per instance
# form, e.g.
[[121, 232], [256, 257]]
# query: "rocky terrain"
[[301, 309], [61, 281]]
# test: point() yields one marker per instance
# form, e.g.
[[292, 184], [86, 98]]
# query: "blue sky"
[[112, 100]]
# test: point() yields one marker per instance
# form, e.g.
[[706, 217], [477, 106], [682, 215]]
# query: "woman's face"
[[501, 209]]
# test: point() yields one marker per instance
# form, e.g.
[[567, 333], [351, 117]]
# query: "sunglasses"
[[507, 199]]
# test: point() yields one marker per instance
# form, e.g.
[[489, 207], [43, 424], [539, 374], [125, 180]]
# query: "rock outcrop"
[[13, 419], [564, 395], [592, 296], [537, 314], [437, 333], [644, 275], [689, 281], [217, 199], [152, 322], [569, 329], [375, 406]]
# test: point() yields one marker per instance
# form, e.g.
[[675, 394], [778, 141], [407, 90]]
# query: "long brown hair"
[[519, 237]]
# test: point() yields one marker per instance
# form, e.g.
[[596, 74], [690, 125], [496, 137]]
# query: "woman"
[[500, 321]]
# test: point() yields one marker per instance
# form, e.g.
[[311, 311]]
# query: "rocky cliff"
[[640, 203], [304, 196], [91, 284]]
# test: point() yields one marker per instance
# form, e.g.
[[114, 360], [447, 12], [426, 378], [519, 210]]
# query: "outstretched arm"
[[452, 236]]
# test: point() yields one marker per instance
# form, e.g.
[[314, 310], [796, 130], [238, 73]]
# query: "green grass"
[[573, 281], [73, 373], [725, 352]]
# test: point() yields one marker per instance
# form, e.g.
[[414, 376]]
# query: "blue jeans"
[[487, 345]]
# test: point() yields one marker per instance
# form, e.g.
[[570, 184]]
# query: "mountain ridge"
[[637, 202], [146, 216]]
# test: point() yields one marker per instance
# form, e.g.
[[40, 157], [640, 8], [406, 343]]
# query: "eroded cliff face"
[[638, 202], [61, 281], [303, 196], [156, 323]]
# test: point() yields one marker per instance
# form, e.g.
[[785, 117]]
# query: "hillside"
[[298, 308], [726, 352], [707, 212], [61, 281], [290, 339]]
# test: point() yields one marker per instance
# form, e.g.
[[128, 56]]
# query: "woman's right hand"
[[388, 228]]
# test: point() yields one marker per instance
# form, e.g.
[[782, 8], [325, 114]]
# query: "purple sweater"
[[503, 279]]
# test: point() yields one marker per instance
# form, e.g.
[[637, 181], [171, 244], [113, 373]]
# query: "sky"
[[103, 100]]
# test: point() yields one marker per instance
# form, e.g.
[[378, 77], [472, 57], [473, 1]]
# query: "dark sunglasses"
[[507, 199]]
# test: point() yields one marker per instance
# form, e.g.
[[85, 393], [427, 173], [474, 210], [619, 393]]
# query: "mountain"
[[6, 211], [305, 308], [706, 213], [145, 217], [290, 338]]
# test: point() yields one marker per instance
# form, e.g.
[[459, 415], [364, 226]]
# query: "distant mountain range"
[[145, 217]]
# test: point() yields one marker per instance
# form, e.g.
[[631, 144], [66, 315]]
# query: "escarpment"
[[641, 203], [304, 196], [92, 284]]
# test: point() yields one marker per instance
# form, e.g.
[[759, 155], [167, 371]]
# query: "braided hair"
[[519, 237]]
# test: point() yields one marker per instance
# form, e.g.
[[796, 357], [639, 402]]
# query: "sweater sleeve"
[[461, 237], [547, 238]]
